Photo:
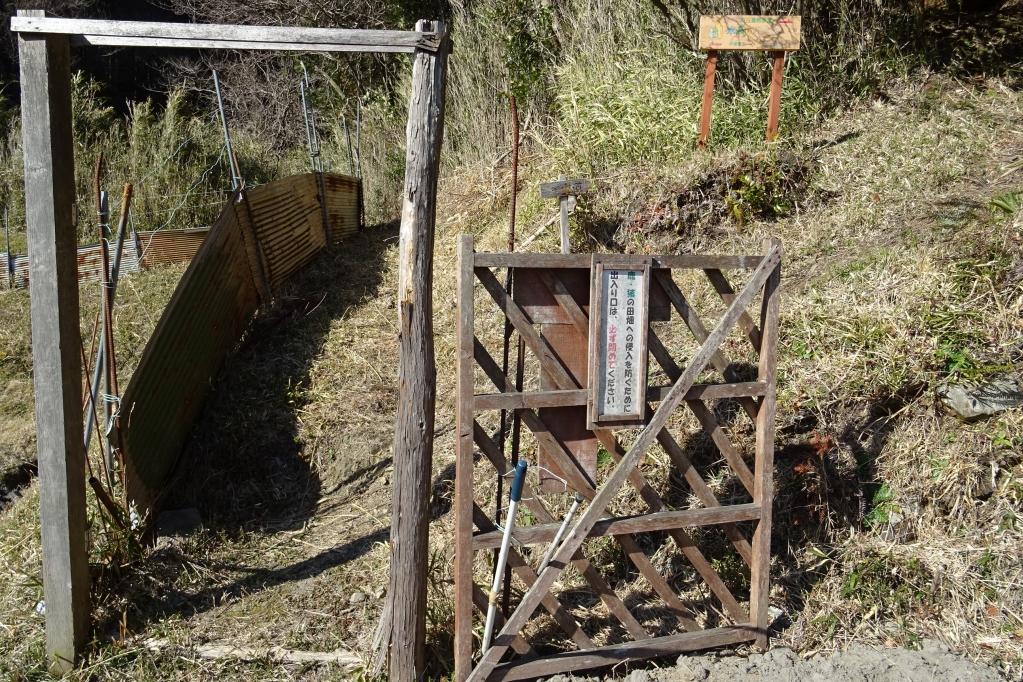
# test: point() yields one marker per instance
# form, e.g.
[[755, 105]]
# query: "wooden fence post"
[[774, 98], [56, 339], [708, 98], [403, 625]]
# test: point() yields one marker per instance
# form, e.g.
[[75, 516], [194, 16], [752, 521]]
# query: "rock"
[[975, 400], [357, 598], [176, 523]]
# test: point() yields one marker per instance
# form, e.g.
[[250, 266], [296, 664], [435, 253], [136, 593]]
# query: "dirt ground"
[[858, 663]]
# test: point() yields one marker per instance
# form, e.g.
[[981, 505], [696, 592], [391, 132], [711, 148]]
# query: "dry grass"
[[895, 522]]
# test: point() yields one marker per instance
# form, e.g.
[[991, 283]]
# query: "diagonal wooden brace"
[[618, 477]]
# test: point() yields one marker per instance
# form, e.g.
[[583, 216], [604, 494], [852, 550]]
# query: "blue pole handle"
[[520, 478]]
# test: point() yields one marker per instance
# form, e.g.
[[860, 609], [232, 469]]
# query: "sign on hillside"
[[620, 295], [749, 32], [732, 32]]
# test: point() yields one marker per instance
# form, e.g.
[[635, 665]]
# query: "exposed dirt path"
[[858, 663]]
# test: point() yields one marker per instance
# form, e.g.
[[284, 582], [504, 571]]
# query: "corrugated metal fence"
[[262, 237]]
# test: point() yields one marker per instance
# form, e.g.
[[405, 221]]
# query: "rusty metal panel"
[[210, 311], [170, 246]]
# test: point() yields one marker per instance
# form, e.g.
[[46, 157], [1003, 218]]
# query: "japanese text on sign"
[[622, 340]]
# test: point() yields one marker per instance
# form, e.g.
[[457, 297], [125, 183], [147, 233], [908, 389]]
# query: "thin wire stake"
[[236, 179], [556, 542]]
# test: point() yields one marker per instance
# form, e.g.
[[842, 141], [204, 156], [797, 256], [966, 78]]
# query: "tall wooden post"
[[708, 98], [774, 98], [56, 339], [763, 481], [403, 628]]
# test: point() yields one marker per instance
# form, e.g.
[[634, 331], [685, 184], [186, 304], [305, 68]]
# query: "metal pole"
[[556, 542], [305, 115], [358, 136], [7, 253], [236, 180], [502, 559], [348, 139], [115, 271]]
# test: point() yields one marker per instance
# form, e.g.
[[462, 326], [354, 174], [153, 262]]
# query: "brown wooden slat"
[[727, 293], [480, 600], [583, 260], [643, 523], [621, 653]]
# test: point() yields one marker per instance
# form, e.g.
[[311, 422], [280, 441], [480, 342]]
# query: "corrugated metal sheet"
[[271, 231], [90, 263], [170, 246]]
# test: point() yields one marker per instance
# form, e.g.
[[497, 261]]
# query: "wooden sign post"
[[565, 190], [619, 295], [775, 34]]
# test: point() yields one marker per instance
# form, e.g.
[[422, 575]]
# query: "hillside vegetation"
[[897, 192]]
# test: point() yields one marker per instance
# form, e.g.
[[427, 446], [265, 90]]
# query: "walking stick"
[[502, 558]]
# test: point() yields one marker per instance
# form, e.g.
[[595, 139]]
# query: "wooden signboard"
[[745, 32], [749, 32], [564, 187], [620, 296]]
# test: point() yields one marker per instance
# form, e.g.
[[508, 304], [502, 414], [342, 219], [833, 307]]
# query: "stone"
[[975, 400], [357, 598]]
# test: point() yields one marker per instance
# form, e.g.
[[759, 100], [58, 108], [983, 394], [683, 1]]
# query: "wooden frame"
[[44, 46], [475, 532], [773, 34], [595, 418]]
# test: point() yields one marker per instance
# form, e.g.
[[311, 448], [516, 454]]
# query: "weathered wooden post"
[[56, 338], [565, 190], [403, 625]]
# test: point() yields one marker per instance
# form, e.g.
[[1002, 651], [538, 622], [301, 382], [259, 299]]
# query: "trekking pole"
[[502, 559], [556, 542]]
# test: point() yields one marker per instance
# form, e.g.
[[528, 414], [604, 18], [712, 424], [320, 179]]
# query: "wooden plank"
[[463, 460], [403, 629], [564, 187], [563, 398], [577, 535], [774, 97], [533, 293], [232, 36], [707, 105], [520, 259], [643, 523], [749, 32], [763, 492], [56, 340], [727, 294], [621, 653], [566, 423]]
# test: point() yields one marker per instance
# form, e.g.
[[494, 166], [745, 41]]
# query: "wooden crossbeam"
[[644, 440], [710, 425], [719, 360], [689, 261], [643, 523], [227, 36], [577, 397], [622, 653], [727, 294], [480, 599]]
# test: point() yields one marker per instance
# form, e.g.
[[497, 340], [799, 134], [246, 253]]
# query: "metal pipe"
[[115, 272], [7, 253], [502, 559], [236, 179], [556, 542]]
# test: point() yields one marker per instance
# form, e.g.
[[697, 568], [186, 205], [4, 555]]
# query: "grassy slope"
[[895, 521]]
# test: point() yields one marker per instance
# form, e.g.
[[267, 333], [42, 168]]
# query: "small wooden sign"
[[750, 32], [564, 187], [619, 311]]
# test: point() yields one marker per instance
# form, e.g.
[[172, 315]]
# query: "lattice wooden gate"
[[555, 287]]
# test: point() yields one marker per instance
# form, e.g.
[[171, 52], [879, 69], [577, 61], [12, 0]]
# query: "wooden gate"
[[551, 288]]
